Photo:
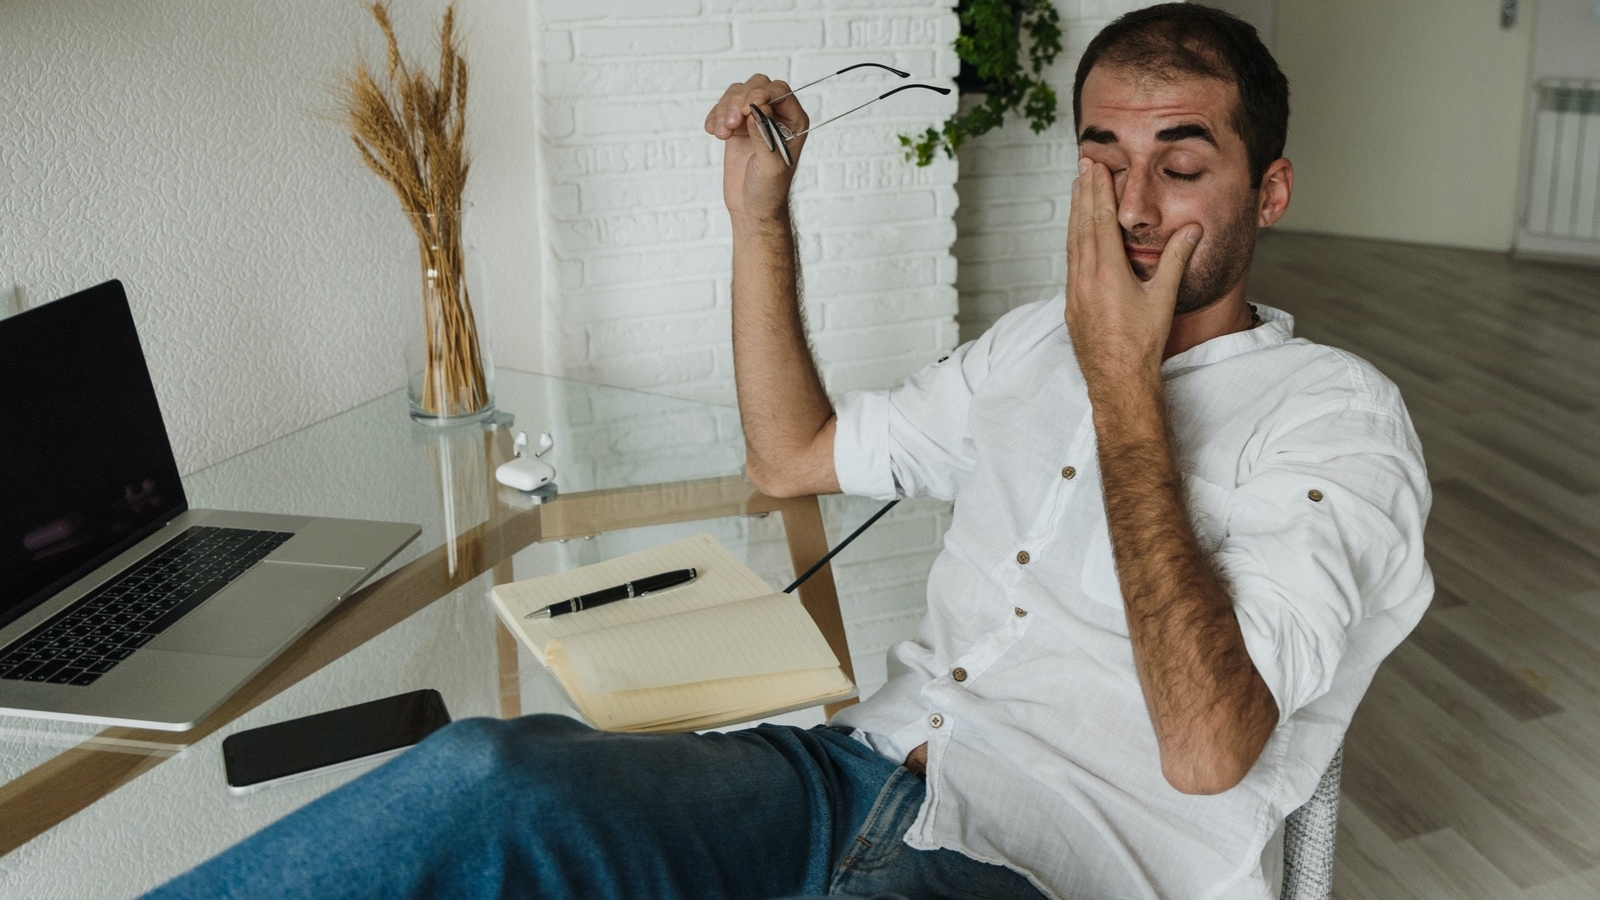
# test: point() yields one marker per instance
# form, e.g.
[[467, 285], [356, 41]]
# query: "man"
[[1183, 540]]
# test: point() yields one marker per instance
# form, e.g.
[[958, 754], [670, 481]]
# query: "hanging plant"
[[996, 64]]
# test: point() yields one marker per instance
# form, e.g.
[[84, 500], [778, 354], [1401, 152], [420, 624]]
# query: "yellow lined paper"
[[759, 636], [708, 704]]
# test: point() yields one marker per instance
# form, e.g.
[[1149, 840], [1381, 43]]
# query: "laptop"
[[118, 603]]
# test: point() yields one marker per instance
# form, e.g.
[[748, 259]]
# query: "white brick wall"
[[1015, 191], [638, 233], [641, 246]]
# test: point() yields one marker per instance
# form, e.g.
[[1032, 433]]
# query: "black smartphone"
[[339, 738]]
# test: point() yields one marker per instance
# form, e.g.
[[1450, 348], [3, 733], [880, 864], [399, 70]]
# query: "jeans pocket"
[[879, 844]]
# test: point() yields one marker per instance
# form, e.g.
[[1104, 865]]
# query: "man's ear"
[[1277, 183]]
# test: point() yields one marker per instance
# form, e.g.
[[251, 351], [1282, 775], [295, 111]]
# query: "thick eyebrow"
[[1093, 135], [1184, 132]]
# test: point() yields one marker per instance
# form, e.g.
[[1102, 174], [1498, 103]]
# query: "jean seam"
[[885, 813]]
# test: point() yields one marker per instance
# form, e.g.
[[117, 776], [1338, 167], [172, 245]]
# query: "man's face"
[[1174, 159]]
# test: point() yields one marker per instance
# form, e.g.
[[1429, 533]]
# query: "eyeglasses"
[[777, 136]]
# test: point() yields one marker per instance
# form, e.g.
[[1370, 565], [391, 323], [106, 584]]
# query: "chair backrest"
[[1308, 836]]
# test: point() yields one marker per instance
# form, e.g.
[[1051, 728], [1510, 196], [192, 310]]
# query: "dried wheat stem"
[[409, 128]]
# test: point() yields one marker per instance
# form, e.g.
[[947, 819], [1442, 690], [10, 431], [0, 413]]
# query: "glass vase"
[[449, 375]]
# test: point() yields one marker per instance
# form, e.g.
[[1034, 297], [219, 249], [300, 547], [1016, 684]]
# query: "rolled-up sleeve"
[[1323, 533], [861, 445], [913, 440]]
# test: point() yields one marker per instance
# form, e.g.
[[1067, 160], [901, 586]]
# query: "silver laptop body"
[[77, 519]]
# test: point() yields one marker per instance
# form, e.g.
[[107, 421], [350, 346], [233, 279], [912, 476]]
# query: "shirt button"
[[1020, 612], [1069, 473], [958, 673], [1315, 495], [936, 720], [1023, 557]]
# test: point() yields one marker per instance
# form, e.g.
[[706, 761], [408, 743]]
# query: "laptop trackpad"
[[267, 606]]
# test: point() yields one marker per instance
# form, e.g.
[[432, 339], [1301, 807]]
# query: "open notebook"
[[720, 650]]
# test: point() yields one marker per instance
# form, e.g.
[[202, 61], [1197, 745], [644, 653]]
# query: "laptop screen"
[[85, 467]]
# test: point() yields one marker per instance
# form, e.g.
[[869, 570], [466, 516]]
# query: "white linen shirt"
[[1305, 483]]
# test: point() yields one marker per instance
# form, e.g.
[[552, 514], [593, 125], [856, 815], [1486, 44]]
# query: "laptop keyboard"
[[88, 638]]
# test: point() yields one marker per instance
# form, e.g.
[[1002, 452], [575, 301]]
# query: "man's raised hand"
[[1118, 324], [755, 180]]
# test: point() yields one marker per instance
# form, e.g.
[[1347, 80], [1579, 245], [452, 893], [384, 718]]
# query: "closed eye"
[[1183, 176]]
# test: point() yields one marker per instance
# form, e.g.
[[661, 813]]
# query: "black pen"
[[636, 588]]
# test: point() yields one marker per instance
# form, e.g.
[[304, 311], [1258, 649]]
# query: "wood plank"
[[1382, 775], [592, 512], [1570, 467], [1573, 516], [505, 650], [1548, 752], [1458, 867], [1468, 506], [1435, 767], [1517, 570], [1516, 696], [1554, 801], [1583, 885], [1460, 583], [1369, 865]]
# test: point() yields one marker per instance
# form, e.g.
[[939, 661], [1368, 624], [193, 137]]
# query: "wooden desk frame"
[[39, 800]]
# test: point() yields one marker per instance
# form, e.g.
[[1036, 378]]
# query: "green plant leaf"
[[992, 43], [1040, 109]]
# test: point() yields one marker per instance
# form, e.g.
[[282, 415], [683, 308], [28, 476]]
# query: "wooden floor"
[[1472, 769]]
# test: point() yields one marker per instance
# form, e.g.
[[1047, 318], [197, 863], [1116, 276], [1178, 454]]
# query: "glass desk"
[[87, 811]]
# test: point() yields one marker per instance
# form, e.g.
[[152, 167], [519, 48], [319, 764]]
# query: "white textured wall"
[[639, 232], [1408, 119], [1566, 40], [1260, 13], [177, 145], [1015, 191], [500, 38]]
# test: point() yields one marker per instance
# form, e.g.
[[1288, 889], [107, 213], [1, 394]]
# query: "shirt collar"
[[1276, 327]]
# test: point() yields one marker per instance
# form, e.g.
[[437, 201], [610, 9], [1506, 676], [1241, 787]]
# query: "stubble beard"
[[1219, 263]]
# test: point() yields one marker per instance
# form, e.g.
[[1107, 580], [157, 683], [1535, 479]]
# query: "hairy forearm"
[[1211, 711], [781, 400]]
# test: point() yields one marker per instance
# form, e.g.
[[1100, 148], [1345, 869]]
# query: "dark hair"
[[1188, 39]]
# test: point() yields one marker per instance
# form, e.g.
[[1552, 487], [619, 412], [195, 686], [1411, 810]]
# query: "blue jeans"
[[544, 806]]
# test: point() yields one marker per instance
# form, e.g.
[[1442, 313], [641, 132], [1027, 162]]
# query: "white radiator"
[[1563, 199]]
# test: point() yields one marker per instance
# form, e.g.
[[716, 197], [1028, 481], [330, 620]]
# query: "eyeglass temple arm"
[[903, 87], [840, 72]]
